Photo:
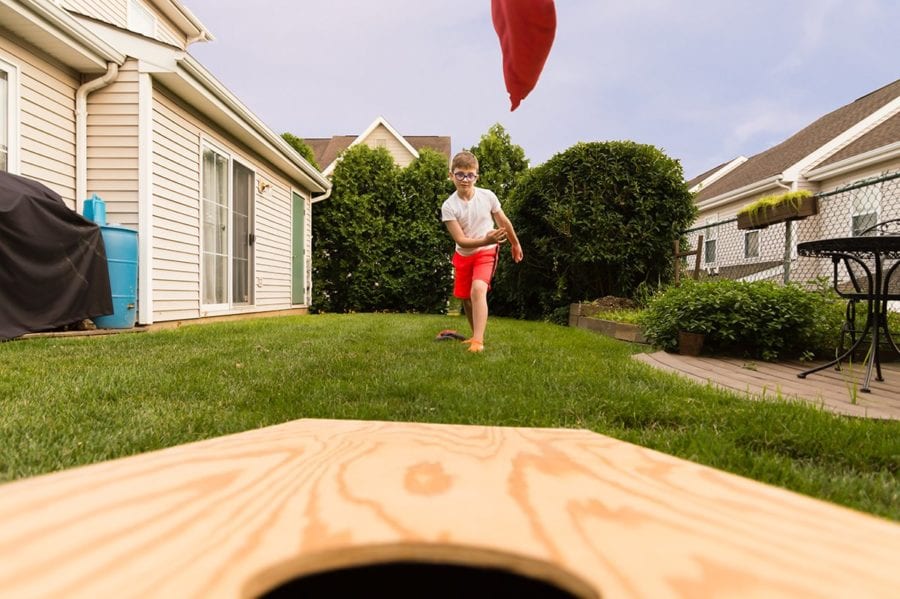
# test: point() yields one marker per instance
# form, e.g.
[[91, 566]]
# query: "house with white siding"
[[857, 142], [102, 97]]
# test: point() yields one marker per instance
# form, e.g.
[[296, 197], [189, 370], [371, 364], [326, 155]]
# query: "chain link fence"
[[771, 253]]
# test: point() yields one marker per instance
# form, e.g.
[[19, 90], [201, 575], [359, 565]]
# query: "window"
[[751, 244], [866, 203], [709, 242], [227, 225], [215, 228], [140, 19], [8, 118]]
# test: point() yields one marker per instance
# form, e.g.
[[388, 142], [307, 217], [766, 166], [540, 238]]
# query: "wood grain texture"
[[237, 515]]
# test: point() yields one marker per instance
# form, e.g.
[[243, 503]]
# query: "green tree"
[[598, 219], [377, 241], [302, 148], [501, 162]]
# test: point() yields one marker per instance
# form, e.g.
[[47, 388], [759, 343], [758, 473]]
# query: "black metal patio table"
[[864, 252]]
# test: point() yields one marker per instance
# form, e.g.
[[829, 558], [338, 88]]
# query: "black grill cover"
[[52, 261]]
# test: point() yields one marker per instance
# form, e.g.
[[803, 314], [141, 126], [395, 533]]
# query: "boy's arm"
[[456, 232], [504, 224]]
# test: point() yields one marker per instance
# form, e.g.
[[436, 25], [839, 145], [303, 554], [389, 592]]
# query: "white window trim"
[[855, 210], [206, 144], [12, 116], [229, 306], [711, 234], [746, 235]]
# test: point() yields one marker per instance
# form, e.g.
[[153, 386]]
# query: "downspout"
[[313, 200], [112, 71], [788, 240]]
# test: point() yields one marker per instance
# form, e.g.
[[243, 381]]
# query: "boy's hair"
[[464, 159]]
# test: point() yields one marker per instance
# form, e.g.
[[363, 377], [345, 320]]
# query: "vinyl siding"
[[168, 33], [273, 246], [114, 12], [112, 160], [178, 135], [176, 212], [401, 155], [46, 120]]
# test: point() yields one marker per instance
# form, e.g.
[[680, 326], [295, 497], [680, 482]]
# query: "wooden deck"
[[827, 388]]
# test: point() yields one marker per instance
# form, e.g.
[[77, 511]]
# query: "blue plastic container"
[[122, 259], [95, 210]]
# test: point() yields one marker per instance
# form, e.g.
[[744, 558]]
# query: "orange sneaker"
[[476, 346]]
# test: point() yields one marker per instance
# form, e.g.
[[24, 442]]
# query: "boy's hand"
[[517, 253], [495, 236]]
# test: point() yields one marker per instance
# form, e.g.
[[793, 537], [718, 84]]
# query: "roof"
[[777, 159]]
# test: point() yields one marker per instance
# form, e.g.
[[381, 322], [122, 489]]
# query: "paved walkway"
[[828, 388]]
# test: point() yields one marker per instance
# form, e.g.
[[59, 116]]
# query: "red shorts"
[[479, 266]]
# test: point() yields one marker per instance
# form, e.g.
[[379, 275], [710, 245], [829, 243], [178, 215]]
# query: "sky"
[[704, 81]]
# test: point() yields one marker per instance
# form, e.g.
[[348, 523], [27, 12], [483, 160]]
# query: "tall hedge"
[[378, 242], [597, 219]]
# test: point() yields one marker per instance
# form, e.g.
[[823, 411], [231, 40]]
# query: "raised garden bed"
[[583, 315]]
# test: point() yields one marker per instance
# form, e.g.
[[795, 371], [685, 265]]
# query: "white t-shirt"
[[473, 215]]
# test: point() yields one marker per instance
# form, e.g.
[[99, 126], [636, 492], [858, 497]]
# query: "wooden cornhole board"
[[239, 515]]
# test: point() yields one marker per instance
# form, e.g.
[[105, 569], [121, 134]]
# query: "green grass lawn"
[[71, 401]]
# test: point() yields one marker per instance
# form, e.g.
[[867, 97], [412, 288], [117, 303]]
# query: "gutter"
[[322, 196], [112, 71], [870, 158]]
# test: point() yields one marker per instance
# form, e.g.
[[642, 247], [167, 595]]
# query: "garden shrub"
[[378, 241], [598, 219], [759, 319]]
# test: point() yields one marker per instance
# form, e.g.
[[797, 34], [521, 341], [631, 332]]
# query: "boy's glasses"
[[461, 176]]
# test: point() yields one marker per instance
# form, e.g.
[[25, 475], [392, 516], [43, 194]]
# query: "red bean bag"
[[526, 29]]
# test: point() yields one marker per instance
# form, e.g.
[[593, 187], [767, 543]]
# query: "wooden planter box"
[[779, 214]]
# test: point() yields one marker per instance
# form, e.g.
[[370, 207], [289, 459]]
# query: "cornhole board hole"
[[398, 507]]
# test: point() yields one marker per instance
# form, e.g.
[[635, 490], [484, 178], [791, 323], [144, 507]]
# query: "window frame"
[[862, 207], [11, 115], [710, 238], [747, 234], [230, 160]]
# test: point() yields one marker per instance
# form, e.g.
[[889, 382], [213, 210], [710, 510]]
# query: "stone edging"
[[580, 315]]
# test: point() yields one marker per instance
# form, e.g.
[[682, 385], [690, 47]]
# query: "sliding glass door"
[[227, 231]]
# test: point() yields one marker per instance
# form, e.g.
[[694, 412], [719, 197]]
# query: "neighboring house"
[[328, 150], [102, 97], [858, 141]]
